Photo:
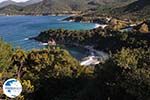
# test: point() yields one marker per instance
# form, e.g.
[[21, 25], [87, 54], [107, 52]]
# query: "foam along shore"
[[100, 25], [44, 44], [26, 39], [91, 60], [95, 58]]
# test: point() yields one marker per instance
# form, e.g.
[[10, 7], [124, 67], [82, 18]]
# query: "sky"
[[15, 0]]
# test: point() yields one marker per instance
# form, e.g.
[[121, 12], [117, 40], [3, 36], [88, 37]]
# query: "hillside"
[[56, 6], [10, 2], [139, 8], [11, 9], [62, 6]]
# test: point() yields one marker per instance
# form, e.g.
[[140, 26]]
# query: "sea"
[[16, 30]]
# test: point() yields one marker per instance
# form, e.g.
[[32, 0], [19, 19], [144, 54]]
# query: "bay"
[[17, 29]]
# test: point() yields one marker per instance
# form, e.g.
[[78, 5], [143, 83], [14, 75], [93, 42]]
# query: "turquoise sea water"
[[17, 29]]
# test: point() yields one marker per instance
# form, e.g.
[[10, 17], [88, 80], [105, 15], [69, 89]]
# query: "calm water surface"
[[16, 29]]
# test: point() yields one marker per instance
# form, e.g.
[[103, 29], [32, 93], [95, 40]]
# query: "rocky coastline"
[[100, 35], [98, 20]]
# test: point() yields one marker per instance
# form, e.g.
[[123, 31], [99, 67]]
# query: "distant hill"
[[11, 10], [10, 2], [52, 6], [106, 7], [6, 3], [61, 6], [139, 9], [46, 6]]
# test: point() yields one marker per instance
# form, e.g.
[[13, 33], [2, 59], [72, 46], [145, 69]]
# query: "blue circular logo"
[[12, 88]]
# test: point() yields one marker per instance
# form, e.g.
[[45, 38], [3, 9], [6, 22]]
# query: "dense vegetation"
[[108, 39], [47, 74], [139, 9], [67, 36], [53, 74], [126, 75]]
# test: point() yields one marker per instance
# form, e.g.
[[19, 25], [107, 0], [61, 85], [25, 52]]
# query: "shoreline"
[[97, 25], [99, 22], [39, 15], [33, 15]]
